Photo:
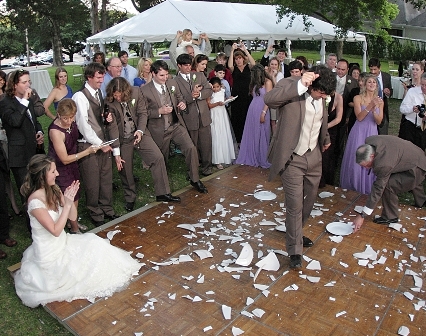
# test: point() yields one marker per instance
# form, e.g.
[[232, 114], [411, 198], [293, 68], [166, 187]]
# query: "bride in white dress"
[[59, 266]]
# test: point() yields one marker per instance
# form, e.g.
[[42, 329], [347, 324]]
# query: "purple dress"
[[67, 173], [352, 175], [256, 135]]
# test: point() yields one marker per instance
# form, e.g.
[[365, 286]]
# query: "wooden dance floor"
[[193, 297]]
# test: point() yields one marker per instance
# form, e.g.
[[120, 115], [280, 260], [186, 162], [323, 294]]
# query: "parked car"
[[163, 53]]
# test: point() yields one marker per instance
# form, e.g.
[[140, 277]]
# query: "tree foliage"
[[12, 40], [52, 14]]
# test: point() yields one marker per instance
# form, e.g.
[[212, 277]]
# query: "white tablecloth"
[[41, 82], [398, 89]]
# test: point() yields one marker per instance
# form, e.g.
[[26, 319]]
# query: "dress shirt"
[[132, 73], [413, 97], [107, 79], [340, 84], [25, 102], [82, 118]]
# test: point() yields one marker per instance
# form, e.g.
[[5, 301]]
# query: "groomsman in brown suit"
[[96, 168], [399, 166], [195, 90], [163, 104], [125, 103], [296, 146]]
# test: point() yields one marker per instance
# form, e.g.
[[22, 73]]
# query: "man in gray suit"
[[163, 104], [295, 150], [399, 166], [195, 90]]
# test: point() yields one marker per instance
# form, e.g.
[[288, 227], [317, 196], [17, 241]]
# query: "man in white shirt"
[[413, 126], [128, 72], [96, 168], [114, 68]]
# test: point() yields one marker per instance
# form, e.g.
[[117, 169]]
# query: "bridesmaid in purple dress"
[[63, 135], [368, 108], [257, 128]]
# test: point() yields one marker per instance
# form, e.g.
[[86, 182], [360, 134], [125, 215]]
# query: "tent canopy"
[[219, 20]]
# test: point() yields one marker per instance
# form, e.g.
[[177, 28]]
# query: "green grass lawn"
[[20, 320]]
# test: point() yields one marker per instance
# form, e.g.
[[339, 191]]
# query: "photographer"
[[413, 108]]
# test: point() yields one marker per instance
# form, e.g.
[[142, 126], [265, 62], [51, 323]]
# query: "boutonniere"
[[172, 89], [133, 101], [327, 101], [194, 77], [348, 81]]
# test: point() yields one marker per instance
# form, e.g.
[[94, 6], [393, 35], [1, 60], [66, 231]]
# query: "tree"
[[12, 40], [142, 5], [26, 14]]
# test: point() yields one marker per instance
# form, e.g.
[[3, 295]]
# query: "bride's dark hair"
[[35, 179]]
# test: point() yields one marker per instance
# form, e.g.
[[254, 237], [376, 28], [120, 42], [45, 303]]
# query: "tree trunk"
[[94, 18], [56, 45], [339, 50], [104, 15]]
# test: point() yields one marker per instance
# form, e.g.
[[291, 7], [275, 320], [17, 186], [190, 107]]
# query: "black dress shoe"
[[307, 242], [167, 198], [382, 220], [207, 173], [111, 217], [9, 242], [200, 187], [97, 223], [129, 206], [295, 261]]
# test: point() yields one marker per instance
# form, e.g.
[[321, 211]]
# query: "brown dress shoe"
[[9, 242]]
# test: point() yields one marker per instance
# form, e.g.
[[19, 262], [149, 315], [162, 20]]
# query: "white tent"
[[219, 20]]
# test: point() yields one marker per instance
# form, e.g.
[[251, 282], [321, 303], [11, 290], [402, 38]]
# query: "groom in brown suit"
[[399, 166], [295, 149], [163, 104]]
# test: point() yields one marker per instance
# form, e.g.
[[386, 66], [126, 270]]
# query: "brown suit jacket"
[[191, 118], [393, 155], [290, 115], [151, 103], [138, 114]]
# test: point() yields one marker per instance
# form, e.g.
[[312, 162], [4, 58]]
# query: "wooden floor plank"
[[370, 299]]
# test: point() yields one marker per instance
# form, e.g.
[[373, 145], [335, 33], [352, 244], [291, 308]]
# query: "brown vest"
[[95, 115]]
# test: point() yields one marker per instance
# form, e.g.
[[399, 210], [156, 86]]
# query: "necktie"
[[164, 102], [30, 116], [189, 81], [97, 97], [380, 89], [126, 73]]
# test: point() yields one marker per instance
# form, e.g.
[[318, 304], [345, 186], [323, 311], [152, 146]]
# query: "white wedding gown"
[[70, 267]]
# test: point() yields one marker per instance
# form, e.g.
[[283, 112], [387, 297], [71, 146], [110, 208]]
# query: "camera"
[[422, 110]]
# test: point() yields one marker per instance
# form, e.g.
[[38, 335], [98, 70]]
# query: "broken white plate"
[[237, 331], [403, 331], [316, 212], [281, 228], [339, 228], [336, 239], [269, 263], [246, 256], [369, 253], [265, 195], [189, 227], [395, 226], [325, 194], [111, 234], [203, 254], [226, 311], [314, 265], [266, 222], [258, 312]]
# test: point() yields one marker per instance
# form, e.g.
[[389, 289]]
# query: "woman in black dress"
[[240, 63]]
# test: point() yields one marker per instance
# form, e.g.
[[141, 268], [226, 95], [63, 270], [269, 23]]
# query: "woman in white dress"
[[59, 266]]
